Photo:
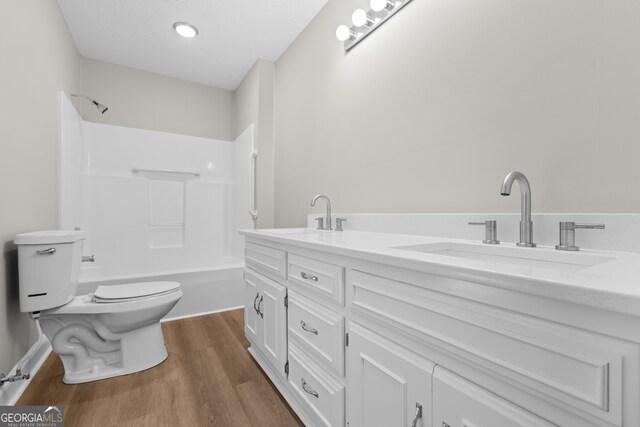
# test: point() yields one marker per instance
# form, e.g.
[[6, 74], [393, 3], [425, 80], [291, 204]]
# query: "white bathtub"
[[206, 291]]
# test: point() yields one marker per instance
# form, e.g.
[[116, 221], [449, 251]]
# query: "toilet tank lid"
[[48, 237]]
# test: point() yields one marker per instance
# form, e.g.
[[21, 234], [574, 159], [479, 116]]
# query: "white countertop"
[[613, 284]]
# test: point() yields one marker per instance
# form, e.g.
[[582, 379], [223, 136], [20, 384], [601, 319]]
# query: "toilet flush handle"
[[49, 251]]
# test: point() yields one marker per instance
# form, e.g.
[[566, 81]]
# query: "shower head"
[[101, 107]]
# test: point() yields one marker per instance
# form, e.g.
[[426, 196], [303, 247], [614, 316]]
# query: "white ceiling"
[[233, 34]]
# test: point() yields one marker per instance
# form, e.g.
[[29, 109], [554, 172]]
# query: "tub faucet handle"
[[89, 258], [490, 231]]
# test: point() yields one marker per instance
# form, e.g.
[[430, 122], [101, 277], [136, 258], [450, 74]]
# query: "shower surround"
[[157, 206]]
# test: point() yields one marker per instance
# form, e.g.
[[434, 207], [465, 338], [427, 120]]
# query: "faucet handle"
[[589, 226], [320, 223], [339, 222], [568, 234], [490, 231]]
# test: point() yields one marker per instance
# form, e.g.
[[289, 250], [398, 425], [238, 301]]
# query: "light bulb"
[[359, 17], [343, 33], [378, 5], [185, 29]]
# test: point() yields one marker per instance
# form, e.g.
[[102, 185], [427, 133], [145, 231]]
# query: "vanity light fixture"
[[360, 18], [344, 33], [185, 29], [380, 5], [365, 22]]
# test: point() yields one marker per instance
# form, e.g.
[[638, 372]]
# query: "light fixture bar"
[[364, 31]]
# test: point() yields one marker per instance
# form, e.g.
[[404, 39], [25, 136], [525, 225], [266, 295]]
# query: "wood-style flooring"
[[209, 379]]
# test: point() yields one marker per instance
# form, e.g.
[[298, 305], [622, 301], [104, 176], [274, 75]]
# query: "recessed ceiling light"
[[185, 29]]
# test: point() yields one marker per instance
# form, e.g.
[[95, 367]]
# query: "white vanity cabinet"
[[353, 342], [294, 319]]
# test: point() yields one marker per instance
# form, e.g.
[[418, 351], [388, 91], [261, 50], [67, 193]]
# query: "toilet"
[[111, 332]]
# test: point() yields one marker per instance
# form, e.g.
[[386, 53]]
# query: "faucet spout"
[[328, 214], [526, 225]]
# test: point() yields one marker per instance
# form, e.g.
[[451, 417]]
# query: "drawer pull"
[[308, 276], [255, 300], [52, 251], [304, 326], [418, 415], [260, 312], [308, 389]]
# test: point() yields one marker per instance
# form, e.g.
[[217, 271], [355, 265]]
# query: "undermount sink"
[[538, 258]]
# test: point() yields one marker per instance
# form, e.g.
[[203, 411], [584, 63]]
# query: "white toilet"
[[114, 331]]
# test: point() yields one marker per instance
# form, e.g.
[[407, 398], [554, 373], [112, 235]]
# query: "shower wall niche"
[[153, 202]]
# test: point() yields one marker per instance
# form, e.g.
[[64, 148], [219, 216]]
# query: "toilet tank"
[[48, 267]]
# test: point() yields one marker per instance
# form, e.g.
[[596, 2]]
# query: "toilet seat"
[[132, 291]]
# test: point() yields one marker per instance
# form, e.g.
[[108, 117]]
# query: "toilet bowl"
[[111, 332]]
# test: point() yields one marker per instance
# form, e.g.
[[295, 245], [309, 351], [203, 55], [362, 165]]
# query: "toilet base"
[[105, 373], [87, 356]]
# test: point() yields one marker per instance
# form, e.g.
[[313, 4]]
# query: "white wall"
[[146, 100], [254, 105], [36, 64], [432, 110]]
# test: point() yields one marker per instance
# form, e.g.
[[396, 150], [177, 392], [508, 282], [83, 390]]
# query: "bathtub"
[[206, 290]]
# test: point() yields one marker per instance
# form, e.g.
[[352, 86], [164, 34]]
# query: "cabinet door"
[[252, 321], [460, 403], [273, 342], [386, 382]]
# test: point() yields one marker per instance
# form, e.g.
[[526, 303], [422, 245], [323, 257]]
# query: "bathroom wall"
[[150, 101], [432, 110], [254, 105], [37, 61]]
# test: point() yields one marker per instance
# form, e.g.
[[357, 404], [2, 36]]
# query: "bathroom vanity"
[[373, 329]]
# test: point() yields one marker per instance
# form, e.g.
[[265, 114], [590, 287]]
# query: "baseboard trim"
[[11, 392], [188, 316]]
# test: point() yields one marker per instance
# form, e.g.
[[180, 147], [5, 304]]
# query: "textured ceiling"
[[233, 34]]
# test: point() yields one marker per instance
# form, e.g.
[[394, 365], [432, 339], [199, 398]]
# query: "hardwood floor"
[[209, 379]]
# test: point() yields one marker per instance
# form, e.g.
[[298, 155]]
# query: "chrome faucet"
[[526, 226], [327, 221]]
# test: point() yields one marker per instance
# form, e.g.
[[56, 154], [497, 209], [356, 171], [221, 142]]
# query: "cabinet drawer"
[[319, 330], [323, 394], [266, 260], [458, 402], [321, 278]]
